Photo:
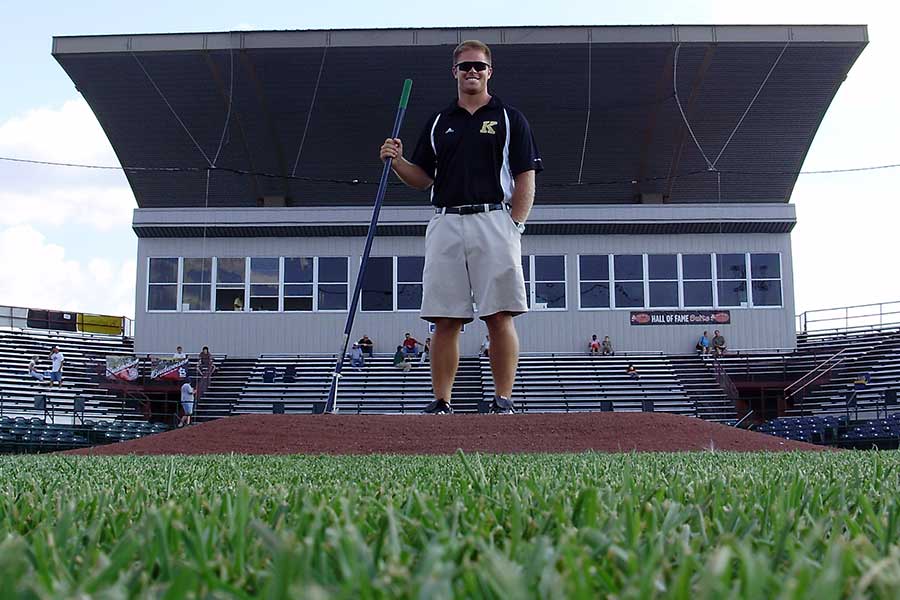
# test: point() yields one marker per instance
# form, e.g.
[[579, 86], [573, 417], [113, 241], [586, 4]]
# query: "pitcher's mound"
[[444, 434]]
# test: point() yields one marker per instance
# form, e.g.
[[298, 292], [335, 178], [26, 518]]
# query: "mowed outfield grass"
[[700, 525]]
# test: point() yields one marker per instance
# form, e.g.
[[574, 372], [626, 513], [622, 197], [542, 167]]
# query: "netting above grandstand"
[[601, 100]]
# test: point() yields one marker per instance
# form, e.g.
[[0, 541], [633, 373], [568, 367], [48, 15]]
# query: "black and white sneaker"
[[438, 407], [502, 406]]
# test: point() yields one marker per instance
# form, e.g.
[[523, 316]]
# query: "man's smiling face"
[[468, 78]]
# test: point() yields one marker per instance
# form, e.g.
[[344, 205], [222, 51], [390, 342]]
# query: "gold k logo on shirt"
[[488, 127]]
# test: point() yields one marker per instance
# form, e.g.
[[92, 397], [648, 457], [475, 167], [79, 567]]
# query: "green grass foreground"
[[692, 526]]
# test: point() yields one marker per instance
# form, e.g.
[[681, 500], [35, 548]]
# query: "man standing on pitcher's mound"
[[479, 157]]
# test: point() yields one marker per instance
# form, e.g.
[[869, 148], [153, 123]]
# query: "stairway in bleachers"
[[84, 353], [875, 352], [226, 384], [699, 381]]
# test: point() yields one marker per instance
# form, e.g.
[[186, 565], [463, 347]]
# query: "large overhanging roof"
[[600, 100]]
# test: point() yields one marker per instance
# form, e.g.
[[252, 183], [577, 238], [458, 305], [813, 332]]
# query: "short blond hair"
[[472, 45]]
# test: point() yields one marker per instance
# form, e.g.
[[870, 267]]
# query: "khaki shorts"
[[472, 256]]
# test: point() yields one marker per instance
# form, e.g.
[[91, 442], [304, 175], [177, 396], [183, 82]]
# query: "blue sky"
[[69, 230]]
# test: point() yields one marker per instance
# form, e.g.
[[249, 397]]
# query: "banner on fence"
[[122, 368], [168, 369]]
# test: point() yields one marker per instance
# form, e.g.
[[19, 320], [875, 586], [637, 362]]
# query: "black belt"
[[469, 209]]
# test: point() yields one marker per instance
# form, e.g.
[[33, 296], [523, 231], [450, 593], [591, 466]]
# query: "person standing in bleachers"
[[33, 370], [607, 346], [179, 353], [188, 395], [485, 349], [56, 366], [594, 345]]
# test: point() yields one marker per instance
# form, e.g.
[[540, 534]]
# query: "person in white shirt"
[[179, 353], [188, 394], [485, 346], [33, 370], [56, 366]]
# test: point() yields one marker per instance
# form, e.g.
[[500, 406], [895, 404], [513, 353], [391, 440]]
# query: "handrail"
[[788, 396], [726, 383], [14, 318], [744, 418], [804, 320], [813, 370]]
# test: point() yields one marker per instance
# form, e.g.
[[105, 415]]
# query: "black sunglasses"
[[468, 65]]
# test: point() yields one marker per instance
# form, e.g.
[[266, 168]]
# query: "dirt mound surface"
[[444, 434]]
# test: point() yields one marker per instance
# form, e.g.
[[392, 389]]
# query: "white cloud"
[[58, 196], [41, 276]]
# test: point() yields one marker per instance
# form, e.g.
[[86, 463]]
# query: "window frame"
[[712, 280], [398, 283], [531, 284], [609, 287], [751, 279], [177, 285], [644, 283]]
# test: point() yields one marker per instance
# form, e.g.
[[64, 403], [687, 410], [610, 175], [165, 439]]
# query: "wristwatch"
[[520, 227]]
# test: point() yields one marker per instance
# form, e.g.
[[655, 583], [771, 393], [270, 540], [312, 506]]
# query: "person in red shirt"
[[410, 345]]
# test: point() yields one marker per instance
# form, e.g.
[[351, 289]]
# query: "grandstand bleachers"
[[83, 353]]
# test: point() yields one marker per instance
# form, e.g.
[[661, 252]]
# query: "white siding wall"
[[250, 334]]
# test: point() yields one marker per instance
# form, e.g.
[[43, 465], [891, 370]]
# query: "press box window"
[[162, 284], [298, 284], [697, 284], [332, 283], [662, 271], [593, 281], [378, 284], [549, 285], [230, 278], [731, 279], [409, 282], [264, 278], [196, 286], [765, 279], [628, 270]]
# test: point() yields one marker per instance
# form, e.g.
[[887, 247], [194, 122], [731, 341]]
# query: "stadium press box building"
[[670, 154]]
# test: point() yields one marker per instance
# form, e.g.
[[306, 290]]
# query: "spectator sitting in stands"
[[400, 360], [594, 345], [632, 371], [426, 352], [179, 353], [366, 345], [188, 395], [56, 366], [702, 346], [410, 345], [357, 361], [33, 370], [238, 304], [607, 347], [719, 343], [485, 349], [862, 381]]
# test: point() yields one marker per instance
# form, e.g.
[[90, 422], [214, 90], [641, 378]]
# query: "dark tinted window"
[[300, 270], [594, 295], [765, 266], [662, 266], [163, 270], [378, 285], [696, 266], [629, 267], [333, 269], [731, 266], [594, 268]]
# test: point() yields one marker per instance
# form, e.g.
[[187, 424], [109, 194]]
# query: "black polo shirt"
[[473, 158]]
